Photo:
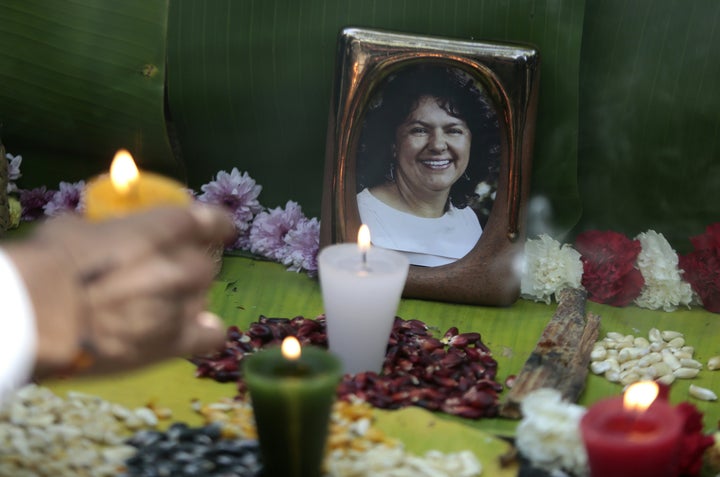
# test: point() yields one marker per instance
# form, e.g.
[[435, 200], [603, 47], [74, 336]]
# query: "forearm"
[[53, 297]]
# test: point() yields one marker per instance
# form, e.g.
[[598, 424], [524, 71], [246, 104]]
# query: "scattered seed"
[[454, 373], [690, 363], [685, 373], [663, 356], [669, 335], [81, 435], [702, 393]]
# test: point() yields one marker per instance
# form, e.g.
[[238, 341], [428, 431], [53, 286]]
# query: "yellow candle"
[[125, 190]]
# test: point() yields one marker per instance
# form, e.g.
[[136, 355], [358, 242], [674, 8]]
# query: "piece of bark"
[[561, 356]]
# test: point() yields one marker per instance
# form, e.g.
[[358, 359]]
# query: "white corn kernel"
[[629, 377], [702, 393], [670, 359], [631, 364], [685, 373], [609, 344], [599, 367], [680, 354], [615, 336], [650, 358], [690, 363], [654, 335], [713, 363], [641, 342], [678, 342], [621, 345], [613, 376], [656, 346], [667, 379], [646, 374], [627, 354], [613, 364], [668, 335], [598, 353], [661, 369]]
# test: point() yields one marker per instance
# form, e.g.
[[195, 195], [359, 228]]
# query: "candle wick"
[[364, 261], [634, 423]]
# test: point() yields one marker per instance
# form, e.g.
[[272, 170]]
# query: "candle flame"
[[291, 348], [364, 238], [640, 396], [123, 171]]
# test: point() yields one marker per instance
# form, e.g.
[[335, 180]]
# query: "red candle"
[[626, 438]]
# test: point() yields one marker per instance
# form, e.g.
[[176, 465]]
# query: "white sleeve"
[[18, 335]]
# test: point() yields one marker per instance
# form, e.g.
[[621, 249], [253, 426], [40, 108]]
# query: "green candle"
[[292, 400]]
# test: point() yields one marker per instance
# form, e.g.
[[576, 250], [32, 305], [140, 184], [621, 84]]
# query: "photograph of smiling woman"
[[427, 163]]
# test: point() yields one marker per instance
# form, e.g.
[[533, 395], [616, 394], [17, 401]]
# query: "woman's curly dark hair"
[[460, 95]]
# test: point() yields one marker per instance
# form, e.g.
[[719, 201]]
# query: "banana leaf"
[[81, 79], [249, 83], [246, 289], [627, 123], [649, 144]]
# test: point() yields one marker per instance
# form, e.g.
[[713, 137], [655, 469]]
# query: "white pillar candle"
[[361, 289]]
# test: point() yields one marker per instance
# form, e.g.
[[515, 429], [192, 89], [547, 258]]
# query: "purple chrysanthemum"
[[238, 192], [268, 231], [67, 199], [33, 201], [303, 243], [13, 171]]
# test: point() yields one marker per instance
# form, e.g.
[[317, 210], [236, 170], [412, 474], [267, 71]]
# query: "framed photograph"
[[429, 143]]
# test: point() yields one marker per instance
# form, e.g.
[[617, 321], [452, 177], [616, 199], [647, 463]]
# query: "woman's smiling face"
[[432, 147]]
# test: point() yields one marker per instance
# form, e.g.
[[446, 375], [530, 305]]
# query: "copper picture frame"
[[504, 77]]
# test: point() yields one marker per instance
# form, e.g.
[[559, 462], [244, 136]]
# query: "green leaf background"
[[627, 126]]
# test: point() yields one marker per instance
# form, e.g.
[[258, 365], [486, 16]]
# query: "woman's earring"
[[466, 176], [392, 172]]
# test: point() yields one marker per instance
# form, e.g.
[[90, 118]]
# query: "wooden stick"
[[561, 356]]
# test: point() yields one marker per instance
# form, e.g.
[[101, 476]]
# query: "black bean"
[[184, 450]]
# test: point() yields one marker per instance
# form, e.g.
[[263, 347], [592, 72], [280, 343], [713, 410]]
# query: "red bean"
[[454, 374]]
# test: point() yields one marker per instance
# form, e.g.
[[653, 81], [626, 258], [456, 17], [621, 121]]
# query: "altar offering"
[[361, 290], [292, 390], [126, 189], [635, 435]]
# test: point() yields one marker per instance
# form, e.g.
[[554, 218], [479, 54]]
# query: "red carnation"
[[710, 240], [702, 267], [694, 442], [609, 273]]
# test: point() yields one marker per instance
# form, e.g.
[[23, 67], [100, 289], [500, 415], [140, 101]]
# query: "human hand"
[[130, 290]]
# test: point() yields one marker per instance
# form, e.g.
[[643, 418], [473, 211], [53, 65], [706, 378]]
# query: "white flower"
[[658, 263], [13, 171], [549, 433], [483, 190], [549, 267]]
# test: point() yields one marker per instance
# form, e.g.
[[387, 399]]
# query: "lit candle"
[[292, 391], [635, 435], [361, 290], [126, 189]]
